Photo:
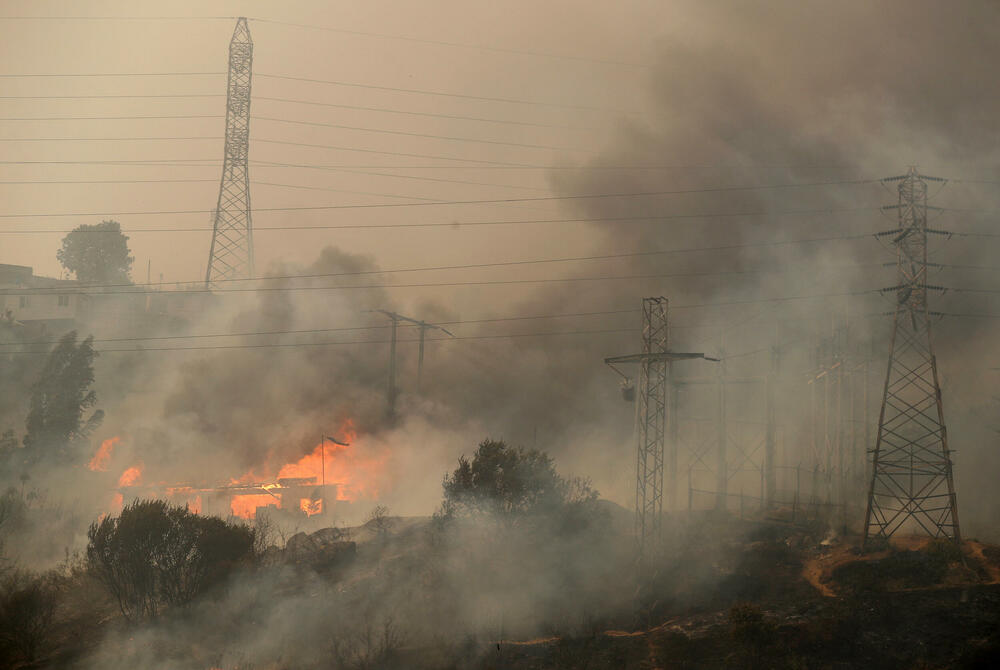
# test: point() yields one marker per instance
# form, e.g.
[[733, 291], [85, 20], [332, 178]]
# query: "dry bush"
[[27, 608]]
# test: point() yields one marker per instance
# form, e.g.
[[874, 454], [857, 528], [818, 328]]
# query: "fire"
[[311, 506], [331, 471], [130, 477], [245, 506], [99, 463], [355, 474]]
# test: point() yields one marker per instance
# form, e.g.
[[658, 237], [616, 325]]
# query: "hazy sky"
[[606, 52], [733, 96]]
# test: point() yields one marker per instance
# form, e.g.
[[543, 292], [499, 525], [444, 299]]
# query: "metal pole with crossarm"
[[651, 418]]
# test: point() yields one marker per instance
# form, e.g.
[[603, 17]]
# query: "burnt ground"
[[788, 599], [727, 593]]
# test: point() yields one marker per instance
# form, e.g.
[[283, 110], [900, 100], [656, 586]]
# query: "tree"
[[97, 253], [60, 398], [511, 483], [155, 554]]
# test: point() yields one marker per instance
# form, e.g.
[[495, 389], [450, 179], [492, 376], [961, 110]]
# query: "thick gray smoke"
[[750, 98], [754, 96], [837, 96]]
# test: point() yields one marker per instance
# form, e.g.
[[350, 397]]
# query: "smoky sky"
[[730, 96]]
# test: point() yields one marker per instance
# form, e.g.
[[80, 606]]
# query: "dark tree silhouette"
[[155, 554], [97, 253]]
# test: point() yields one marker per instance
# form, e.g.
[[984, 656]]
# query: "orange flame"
[[355, 474], [195, 505], [245, 506], [130, 477], [311, 506], [99, 463]]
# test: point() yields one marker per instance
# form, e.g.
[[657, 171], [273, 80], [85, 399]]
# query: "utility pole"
[[652, 419], [770, 435], [231, 253], [393, 391], [424, 327], [911, 477], [722, 435]]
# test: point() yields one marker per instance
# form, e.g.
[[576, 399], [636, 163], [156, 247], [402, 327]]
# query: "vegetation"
[[97, 253], [512, 484], [154, 555], [60, 400], [27, 609], [379, 520]]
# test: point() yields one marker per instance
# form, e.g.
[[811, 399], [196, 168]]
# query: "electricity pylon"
[[651, 418], [911, 464], [231, 253]]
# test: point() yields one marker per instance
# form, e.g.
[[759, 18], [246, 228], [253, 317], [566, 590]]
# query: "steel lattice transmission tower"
[[652, 431], [911, 464], [651, 418], [231, 253]]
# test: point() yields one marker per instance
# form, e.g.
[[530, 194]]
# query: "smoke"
[[747, 99], [765, 97], [836, 96]]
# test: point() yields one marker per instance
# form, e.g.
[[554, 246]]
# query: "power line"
[[179, 162], [105, 139], [109, 181], [112, 95], [285, 345], [344, 31], [487, 166], [493, 282], [329, 330], [383, 153], [459, 224], [341, 190], [110, 118], [476, 47], [265, 183], [25, 75], [422, 135], [116, 18], [270, 164], [387, 110], [177, 181], [355, 273], [329, 125], [493, 201], [96, 96], [460, 337], [461, 96]]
